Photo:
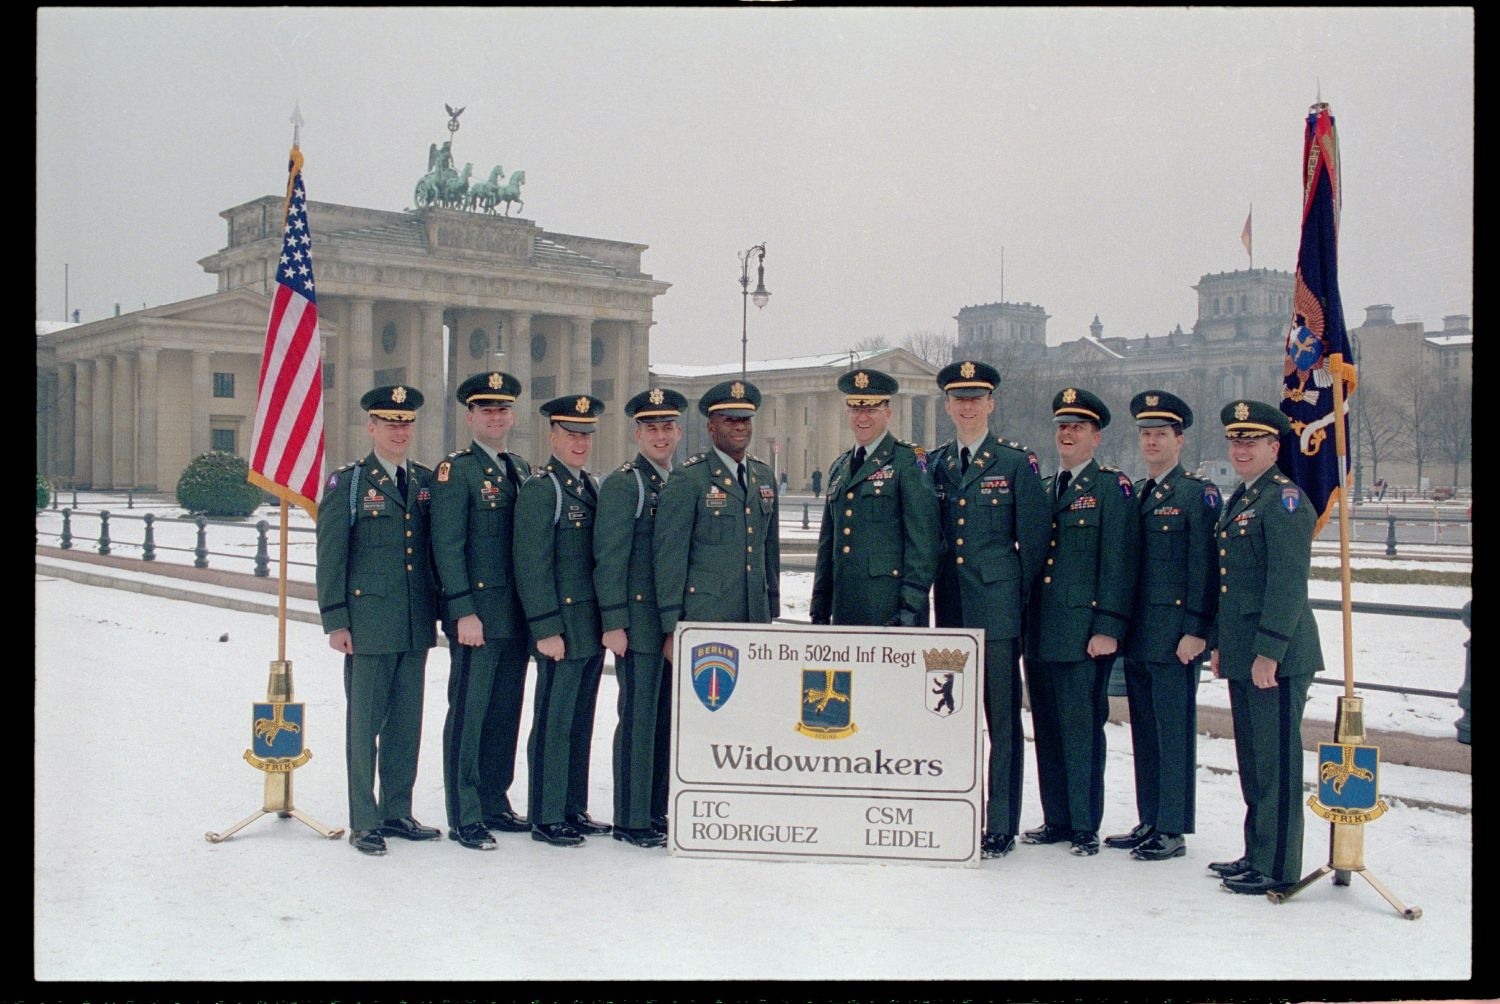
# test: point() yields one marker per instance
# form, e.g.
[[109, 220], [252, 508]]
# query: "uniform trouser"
[[1268, 746], [1002, 714], [663, 760], [562, 729], [1164, 737], [382, 722], [640, 762], [486, 689], [1069, 706]]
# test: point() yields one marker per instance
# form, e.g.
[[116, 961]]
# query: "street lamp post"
[[760, 296]]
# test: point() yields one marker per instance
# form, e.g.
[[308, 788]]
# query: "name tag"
[[716, 499], [374, 502], [489, 492]]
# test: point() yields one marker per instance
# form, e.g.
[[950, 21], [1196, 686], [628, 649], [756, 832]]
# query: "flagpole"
[[281, 591], [1336, 365], [1250, 229]]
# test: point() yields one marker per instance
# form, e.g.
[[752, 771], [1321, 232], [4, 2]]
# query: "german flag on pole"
[[1317, 342], [286, 447]]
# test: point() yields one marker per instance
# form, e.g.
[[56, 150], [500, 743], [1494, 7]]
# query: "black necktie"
[[859, 459], [1062, 482], [963, 461], [740, 473], [588, 485], [1150, 487], [1239, 493], [401, 482], [510, 471]]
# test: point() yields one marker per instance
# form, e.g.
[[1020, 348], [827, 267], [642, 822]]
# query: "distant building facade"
[[421, 298]]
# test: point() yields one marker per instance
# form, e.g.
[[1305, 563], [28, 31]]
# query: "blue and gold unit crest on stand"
[[827, 704], [276, 738], [1348, 784], [716, 667]]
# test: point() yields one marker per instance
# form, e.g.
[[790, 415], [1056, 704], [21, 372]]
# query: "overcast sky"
[[883, 156]]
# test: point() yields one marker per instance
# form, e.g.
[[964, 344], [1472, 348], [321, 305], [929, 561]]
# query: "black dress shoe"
[[475, 836], [581, 822], [1253, 883], [1135, 838], [1085, 843], [1046, 834], [368, 842], [506, 821], [1160, 847], [409, 829], [996, 845], [659, 824], [1224, 869], [556, 834], [646, 837]]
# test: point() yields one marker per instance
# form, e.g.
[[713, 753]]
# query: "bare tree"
[[1377, 426], [871, 344], [1418, 394], [932, 347], [1452, 421]]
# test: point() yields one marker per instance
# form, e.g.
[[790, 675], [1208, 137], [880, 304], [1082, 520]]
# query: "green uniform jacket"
[[624, 575], [1265, 551], [1089, 574], [375, 561], [473, 509], [1176, 588], [995, 530], [878, 543], [717, 552], [554, 559]]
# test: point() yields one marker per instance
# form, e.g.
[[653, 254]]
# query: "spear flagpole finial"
[[296, 121]]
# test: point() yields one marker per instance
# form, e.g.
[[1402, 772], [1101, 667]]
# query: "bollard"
[[75, 496], [1462, 725], [262, 556], [148, 553], [200, 553], [804, 515], [67, 532], [103, 531], [1390, 536], [130, 498], [55, 503]]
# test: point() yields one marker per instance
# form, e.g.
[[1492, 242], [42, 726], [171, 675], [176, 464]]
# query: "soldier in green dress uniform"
[[717, 544], [1174, 608], [378, 604], [994, 516], [1076, 618], [878, 543], [554, 570], [625, 583], [473, 507], [1265, 643]]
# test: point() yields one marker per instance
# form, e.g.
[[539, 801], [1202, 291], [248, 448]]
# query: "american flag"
[[286, 448]]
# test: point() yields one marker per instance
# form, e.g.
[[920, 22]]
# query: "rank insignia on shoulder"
[[444, 469], [695, 459], [1211, 497], [1291, 497], [1031, 462], [1126, 488]]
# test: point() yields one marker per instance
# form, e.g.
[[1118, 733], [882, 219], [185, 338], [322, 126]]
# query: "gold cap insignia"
[[1242, 411], [1069, 396], [581, 406], [656, 396], [950, 659], [496, 381], [966, 370], [737, 389], [1153, 400], [398, 395], [861, 379]]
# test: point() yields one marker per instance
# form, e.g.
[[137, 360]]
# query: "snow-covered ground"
[[142, 715]]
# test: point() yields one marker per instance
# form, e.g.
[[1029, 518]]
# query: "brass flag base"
[[278, 769], [1346, 838]]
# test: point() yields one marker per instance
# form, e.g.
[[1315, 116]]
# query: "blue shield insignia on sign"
[[827, 704], [276, 731], [716, 666], [1348, 777]]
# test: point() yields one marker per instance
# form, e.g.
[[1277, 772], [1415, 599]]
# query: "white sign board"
[[841, 743]]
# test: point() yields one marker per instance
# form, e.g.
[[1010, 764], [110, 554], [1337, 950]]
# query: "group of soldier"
[[1071, 570]]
